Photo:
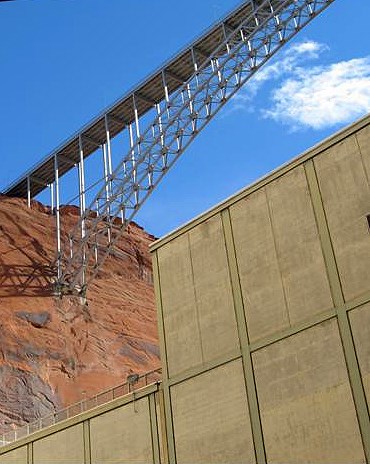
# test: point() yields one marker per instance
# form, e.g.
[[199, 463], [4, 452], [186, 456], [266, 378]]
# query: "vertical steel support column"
[[138, 137], [106, 173], [28, 191], [109, 152], [107, 209], [225, 37], [160, 125], [163, 147], [81, 175], [136, 118], [166, 94], [82, 199], [133, 158], [108, 169], [57, 217], [195, 63], [51, 186], [167, 99]]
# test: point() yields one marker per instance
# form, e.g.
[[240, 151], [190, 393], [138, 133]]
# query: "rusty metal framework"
[[161, 117]]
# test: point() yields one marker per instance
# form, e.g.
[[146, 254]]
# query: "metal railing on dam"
[[133, 383]]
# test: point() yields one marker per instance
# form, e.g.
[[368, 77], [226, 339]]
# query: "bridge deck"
[[149, 92]]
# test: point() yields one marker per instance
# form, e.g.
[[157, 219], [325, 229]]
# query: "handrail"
[[81, 406]]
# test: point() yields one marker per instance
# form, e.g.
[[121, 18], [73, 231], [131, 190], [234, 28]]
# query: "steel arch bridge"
[[160, 117]]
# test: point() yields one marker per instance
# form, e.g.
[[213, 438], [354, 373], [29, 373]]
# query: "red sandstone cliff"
[[52, 350]]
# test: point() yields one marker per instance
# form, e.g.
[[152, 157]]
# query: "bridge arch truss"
[[160, 118]]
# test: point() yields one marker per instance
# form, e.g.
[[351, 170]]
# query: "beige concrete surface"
[[122, 435], [345, 188], [281, 264], [363, 141], [307, 410], [182, 335], [64, 447], [360, 325], [214, 301], [211, 421], [197, 298], [123, 430], [161, 427], [305, 394], [298, 247], [17, 456], [263, 293]]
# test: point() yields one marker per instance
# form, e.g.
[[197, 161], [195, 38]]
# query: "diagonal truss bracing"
[[178, 118]]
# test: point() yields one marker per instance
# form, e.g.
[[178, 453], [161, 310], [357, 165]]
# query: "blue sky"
[[63, 61]]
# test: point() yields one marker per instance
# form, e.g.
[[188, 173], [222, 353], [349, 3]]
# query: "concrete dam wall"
[[264, 316], [264, 319]]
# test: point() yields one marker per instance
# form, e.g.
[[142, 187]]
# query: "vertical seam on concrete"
[[362, 161], [169, 423], [165, 373], [30, 453], [162, 425], [154, 429], [345, 332], [87, 441], [324, 235], [249, 379], [277, 255], [159, 306], [195, 299]]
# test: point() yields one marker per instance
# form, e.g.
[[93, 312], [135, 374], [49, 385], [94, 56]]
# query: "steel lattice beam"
[[176, 120]]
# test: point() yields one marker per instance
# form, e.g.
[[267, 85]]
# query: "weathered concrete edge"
[[280, 171]]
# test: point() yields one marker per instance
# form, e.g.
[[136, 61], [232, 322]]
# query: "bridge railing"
[[133, 383]]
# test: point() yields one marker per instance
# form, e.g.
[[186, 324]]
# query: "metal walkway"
[[160, 118]]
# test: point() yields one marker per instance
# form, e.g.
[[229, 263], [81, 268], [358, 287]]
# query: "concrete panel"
[[17, 456], [307, 410], [263, 294], [211, 421], [122, 435], [182, 334], [344, 184], [282, 268], [363, 140], [360, 324], [197, 304], [214, 301], [298, 247], [66, 446]]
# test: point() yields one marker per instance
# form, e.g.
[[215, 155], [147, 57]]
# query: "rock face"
[[24, 396], [54, 352]]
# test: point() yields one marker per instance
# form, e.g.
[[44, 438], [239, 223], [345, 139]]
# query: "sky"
[[63, 61]]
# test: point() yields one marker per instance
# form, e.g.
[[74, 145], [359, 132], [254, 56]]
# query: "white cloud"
[[289, 61], [286, 64], [323, 96], [310, 96]]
